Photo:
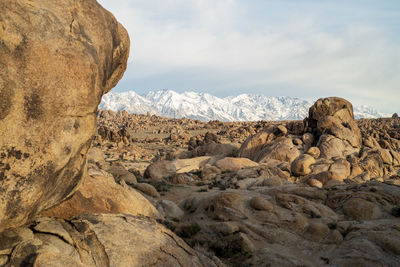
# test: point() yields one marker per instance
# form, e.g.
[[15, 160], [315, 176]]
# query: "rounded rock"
[[315, 183], [301, 166], [314, 152], [260, 203]]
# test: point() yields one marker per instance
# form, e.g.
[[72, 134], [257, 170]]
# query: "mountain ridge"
[[206, 107]]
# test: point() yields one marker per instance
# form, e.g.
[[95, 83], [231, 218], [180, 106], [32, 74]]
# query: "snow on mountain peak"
[[205, 107]]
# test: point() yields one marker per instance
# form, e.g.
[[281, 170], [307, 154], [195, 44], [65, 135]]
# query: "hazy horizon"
[[306, 49]]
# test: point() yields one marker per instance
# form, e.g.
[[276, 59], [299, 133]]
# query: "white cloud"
[[359, 61]]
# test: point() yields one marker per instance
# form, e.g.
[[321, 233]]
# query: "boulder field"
[[142, 190], [319, 192]]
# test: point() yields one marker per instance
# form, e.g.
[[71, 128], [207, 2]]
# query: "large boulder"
[[160, 170], [234, 164], [121, 174], [344, 128], [253, 147], [192, 164], [100, 194], [57, 58], [333, 147], [214, 149], [327, 107], [282, 149], [340, 169], [332, 120]]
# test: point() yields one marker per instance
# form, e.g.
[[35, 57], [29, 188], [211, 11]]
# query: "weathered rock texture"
[[88, 241], [328, 107], [294, 225], [57, 58], [332, 120], [100, 194]]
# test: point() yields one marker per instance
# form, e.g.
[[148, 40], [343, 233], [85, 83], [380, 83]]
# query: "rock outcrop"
[[332, 121], [57, 59], [294, 225], [88, 241], [100, 194], [328, 107], [295, 194]]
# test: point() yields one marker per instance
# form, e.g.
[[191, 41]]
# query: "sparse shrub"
[[189, 230]]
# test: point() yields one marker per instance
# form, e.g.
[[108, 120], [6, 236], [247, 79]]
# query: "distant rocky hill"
[[205, 107]]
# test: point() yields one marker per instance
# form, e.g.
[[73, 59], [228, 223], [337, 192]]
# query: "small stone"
[[314, 152], [315, 183], [282, 129], [297, 141], [160, 170], [148, 189], [301, 166], [260, 203]]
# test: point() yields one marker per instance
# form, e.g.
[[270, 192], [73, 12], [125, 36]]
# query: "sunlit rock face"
[[57, 59], [332, 120]]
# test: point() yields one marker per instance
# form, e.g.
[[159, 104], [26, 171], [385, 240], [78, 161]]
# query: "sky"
[[300, 48]]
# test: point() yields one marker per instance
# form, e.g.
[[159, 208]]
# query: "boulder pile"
[[324, 193], [141, 190]]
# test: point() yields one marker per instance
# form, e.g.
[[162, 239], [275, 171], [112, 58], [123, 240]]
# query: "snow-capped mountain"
[[205, 107]]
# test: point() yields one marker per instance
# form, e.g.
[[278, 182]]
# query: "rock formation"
[[57, 59], [292, 225], [332, 121], [323, 191], [100, 194], [97, 240]]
